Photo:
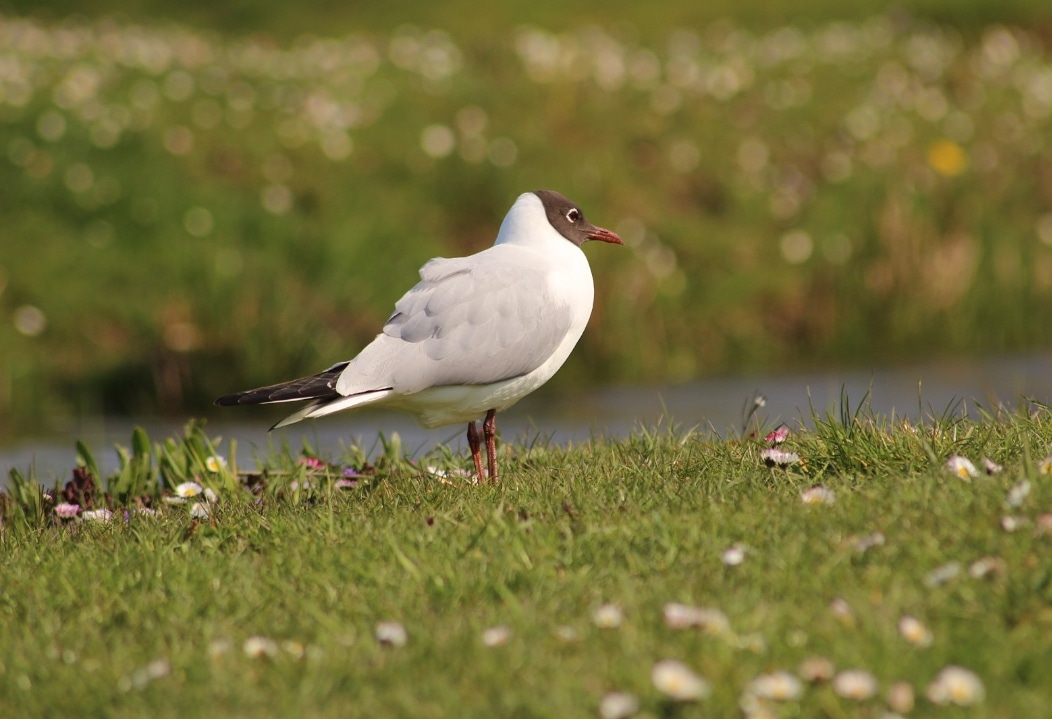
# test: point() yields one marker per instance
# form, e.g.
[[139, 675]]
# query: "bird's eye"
[[573, 215]]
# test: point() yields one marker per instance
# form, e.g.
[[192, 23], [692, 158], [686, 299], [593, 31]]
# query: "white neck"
[[526, 223]]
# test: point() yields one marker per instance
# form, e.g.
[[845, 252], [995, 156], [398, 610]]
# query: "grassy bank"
[[187, 212], [270, 601]]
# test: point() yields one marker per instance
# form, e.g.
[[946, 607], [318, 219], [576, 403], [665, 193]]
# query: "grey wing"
[[465, 322]]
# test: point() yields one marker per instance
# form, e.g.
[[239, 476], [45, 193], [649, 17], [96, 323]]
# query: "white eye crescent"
[[573, 215]]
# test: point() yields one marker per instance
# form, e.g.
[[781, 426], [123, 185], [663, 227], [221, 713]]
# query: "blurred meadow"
[[200, 199]]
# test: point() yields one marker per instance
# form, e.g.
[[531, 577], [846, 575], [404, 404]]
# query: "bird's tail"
[[322, 407], [320, 388]]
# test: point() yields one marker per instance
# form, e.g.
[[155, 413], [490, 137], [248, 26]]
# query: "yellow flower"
[[947, 158]]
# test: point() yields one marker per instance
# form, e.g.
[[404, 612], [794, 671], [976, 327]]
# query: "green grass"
[[87, 607]]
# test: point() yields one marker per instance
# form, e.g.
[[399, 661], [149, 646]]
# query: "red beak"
[[604, 235]]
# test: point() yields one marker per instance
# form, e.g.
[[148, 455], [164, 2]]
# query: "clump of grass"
[[667, 562]]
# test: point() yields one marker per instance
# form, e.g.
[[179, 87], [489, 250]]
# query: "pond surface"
[[718, 404]]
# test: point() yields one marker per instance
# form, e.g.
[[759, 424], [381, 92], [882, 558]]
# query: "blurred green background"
[[201, 197]]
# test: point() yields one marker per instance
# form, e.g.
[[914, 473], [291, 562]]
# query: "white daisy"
[[900, 697], [258, 647], [496, 636], [856, 684], [186, 490], [391, 634], [618, 705], [774, 457], [684, 616], [215, 463], [608, 616], [777, 686], [956, 685], [818, 495], [914, 631], [675, 680], [733, 555], [961, 466]]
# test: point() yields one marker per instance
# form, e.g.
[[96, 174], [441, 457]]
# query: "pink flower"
[[311, 462], [67, 510], [778, 435]]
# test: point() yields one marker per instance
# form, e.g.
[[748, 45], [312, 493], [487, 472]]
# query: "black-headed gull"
[[475, 335]]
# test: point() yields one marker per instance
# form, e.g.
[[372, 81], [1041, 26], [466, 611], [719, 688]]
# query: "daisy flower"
[[496, 636], [942, 574], [1012, 523], [985, 567], [618, 705], [778, 435], [990, 466], [684, 616], [900, 697], [391, 634], [961, 466], [1018, 494], [258, 647], [1045, 465], [777, 686], [816, 669], [675, 680], [914, 631], [66, 510], [956, 685], [774, 457], [215, 463], [818, 495], [856, 684], [186, 490], [608, 616], [733, 556]]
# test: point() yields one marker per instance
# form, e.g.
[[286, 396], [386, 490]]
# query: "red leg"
[[489, 430], [476, 455]]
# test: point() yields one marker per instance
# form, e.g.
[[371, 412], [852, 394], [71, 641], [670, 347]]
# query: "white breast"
[[570, 283]]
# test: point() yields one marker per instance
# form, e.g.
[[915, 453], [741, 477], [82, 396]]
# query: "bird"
[[473, 336]]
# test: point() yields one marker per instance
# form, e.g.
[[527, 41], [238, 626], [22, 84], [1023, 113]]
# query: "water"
[[718, 404]]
